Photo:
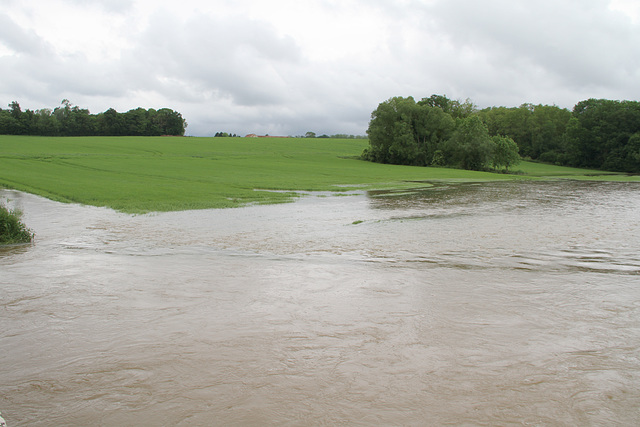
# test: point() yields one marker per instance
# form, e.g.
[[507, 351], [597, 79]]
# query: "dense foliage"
[[435, 131], [11, 229], [598, 133], [68, 120]]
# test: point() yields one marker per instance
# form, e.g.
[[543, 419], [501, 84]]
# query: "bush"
[[11, 229]]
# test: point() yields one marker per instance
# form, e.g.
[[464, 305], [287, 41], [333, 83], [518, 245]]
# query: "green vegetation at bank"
[[435, 132], [598, 133], [144, 174], [12, 230]]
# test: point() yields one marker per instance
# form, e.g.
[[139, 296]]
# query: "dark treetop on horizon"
[[68, 120]]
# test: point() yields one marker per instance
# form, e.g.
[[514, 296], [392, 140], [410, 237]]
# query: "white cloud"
[[631, 8], [285, 66]]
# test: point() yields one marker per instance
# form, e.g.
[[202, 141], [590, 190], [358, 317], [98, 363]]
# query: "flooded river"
[[470, 304]]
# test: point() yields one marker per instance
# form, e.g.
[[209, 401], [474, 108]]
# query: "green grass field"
[[144, 174]]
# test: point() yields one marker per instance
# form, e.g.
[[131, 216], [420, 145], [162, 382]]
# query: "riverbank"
[[145, 174]]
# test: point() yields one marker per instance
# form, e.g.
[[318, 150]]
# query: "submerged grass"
[[12, 230], [143, 174]]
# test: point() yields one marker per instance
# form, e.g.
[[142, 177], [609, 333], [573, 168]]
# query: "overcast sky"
[[285, 67]]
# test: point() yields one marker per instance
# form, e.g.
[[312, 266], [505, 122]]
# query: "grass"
[[143, 174], [11, 229]]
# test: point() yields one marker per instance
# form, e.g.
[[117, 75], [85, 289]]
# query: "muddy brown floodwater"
[[470, 304]]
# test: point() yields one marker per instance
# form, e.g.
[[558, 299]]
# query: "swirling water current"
[[463, 304]]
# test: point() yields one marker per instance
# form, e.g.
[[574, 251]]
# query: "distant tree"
[[9, 125], [15, 109], [455, 108], [402, 131], [347, 136], [17, 125], [84, 124], [310, 134], [601, 134], [391, 134], [111, 123], [539, 130], [470, 147], [70, 120], [632, 154], [511, 122], [169, 122], [136, 122], [598, 133], [436, 128], [47, 124], [547, 126], [153, 127], [505, 152]]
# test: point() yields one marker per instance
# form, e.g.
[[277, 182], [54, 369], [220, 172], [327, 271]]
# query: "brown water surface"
[[470, 304]]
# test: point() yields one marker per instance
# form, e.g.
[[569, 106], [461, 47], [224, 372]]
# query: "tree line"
[[311, 134], [597, 133], [71, 120]]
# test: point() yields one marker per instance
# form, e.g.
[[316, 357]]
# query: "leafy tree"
[[8, 124], [601, 134], [46, 123], [547, 126], [470, 147], [438, 128], [168, 122], [73, 120], [111, 123], [70, 120], [136, 122], [402, 131], [632, 154], [511, 122], [539, 130], [392, 133], [403, 149], [13, 121], [505, 152], [310, 134], [381, 130], [15, 110], [83, 123], [455, 108]]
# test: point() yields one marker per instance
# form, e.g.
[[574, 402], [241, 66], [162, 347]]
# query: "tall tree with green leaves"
[[470, 147], [402, 131], [505, 152], [390, 132]]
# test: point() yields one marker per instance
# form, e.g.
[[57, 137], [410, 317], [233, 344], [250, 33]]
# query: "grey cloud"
[[46, 78], [231, 73], [580, 45], [20, 40], [234, 57], [112, 6]]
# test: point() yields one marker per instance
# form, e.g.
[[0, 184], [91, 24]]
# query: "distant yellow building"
[[253, 135]]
